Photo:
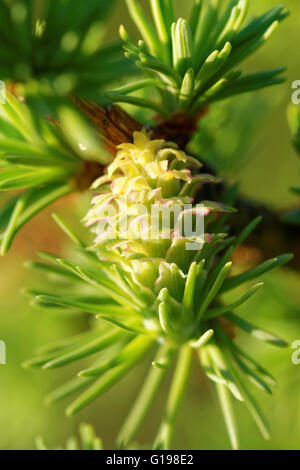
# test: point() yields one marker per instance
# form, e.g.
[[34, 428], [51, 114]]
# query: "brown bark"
[[179, 128], [114, 124]]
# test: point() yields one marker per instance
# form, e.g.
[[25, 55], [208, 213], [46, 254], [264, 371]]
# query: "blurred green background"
[[271, 167]]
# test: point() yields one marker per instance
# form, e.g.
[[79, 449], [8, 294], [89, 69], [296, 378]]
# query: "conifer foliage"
[[145, 295]]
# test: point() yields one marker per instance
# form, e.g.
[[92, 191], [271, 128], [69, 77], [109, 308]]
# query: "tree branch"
[[272, 237]]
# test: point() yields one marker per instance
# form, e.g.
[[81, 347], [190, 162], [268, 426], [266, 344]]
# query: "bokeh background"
[[257, 153]]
